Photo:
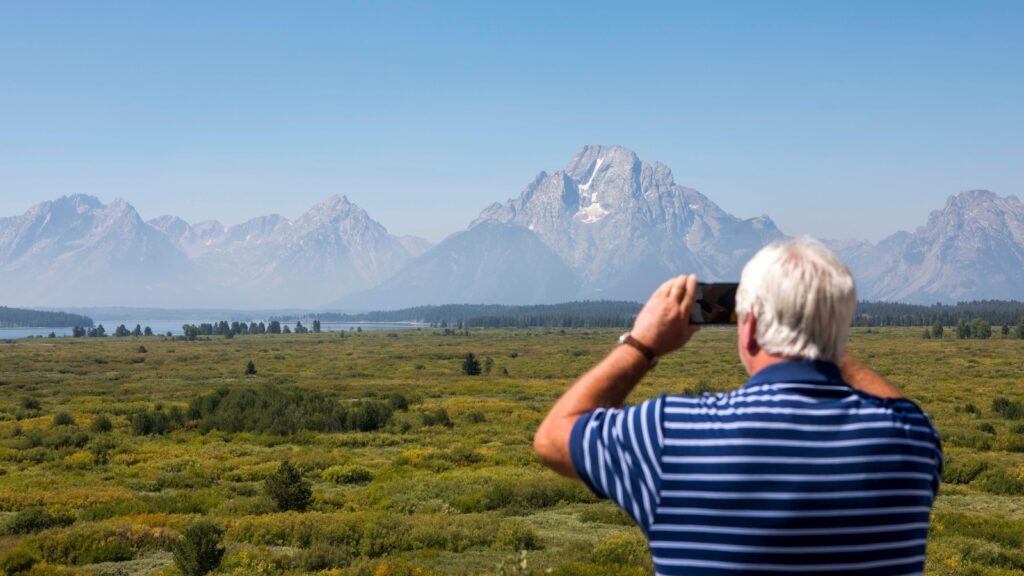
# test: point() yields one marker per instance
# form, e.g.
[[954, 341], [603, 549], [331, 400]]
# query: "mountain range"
[[607, 226]]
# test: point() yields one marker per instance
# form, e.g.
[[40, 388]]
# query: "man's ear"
[[748, 334]]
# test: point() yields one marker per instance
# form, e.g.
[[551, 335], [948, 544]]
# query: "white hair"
[[803, 298]]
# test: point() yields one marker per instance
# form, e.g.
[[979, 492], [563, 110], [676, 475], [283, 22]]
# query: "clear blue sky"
[[838, 119]]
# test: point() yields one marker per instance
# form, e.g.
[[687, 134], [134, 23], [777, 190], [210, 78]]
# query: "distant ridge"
[[585, 314], [21, 318]]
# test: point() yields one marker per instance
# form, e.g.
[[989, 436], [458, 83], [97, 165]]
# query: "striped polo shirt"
[[793, 472]]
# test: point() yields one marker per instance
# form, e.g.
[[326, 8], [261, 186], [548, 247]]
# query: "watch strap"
[[629, 340]]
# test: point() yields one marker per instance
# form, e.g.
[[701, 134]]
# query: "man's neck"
[[762, 360]]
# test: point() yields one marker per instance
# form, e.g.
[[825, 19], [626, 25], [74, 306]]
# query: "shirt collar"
[[798, 371]]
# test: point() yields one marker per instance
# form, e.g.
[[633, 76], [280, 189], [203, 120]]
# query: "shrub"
[[627, 550], [17, 561], [438, 417], [515, 536], [347, 475], [157, 422], [200, 549], [962, 470], [250, 368], [1002, 481], [980, 329], [586, 569], [29, 403], [1009, 443], [89, 543], [1008, 408], [101, 424], [475, 417], [288, 489], [603, 514], [30, 520], [322, 556], [398, 402], [63, 419], [371, 534], [518, 495], [284, 411]]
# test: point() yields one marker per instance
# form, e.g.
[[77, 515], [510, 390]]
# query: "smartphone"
[[715, 304]]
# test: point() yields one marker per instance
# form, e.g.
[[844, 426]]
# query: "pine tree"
[[200, 549], [937, 329], [250, 368], [963, 330], [470, 365], [148, 331], [287, 488]]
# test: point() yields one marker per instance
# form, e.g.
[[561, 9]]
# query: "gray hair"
[[803, 298]]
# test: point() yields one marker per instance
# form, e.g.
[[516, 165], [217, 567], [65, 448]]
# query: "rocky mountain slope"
[[76, 250], [972, 249], [619, 225]]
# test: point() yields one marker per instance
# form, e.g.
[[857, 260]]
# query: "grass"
[[423, 494]]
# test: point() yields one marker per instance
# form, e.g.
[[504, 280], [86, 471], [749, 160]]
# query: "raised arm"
[[663, 325], [862, 378]]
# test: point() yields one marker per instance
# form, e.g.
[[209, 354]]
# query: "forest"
[[21, 318]]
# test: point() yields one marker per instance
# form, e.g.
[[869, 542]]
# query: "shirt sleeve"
[[617, 454]]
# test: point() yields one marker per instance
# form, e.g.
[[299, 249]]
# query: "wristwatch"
[[627, 339]]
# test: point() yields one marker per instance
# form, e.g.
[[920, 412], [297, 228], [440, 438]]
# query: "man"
[[816, 465]]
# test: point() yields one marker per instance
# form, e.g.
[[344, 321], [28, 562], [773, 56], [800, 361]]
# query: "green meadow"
[[110, 448]]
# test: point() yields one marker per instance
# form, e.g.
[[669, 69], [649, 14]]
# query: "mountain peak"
[[78, 203], [335, 202], [586, 163], [972, 196]]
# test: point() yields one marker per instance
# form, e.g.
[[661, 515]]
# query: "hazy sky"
[[838, 119]]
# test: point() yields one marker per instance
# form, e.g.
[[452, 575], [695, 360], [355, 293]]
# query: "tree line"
[[995, 312], [582, 314], [230, 330], [194, 331], [620, 314], [21, 318], [977, 328]]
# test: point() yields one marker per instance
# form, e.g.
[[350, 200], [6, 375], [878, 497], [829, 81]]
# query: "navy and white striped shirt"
[[793, 472]]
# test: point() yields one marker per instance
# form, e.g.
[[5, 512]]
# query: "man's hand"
[[664, 323], [663, 326]]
